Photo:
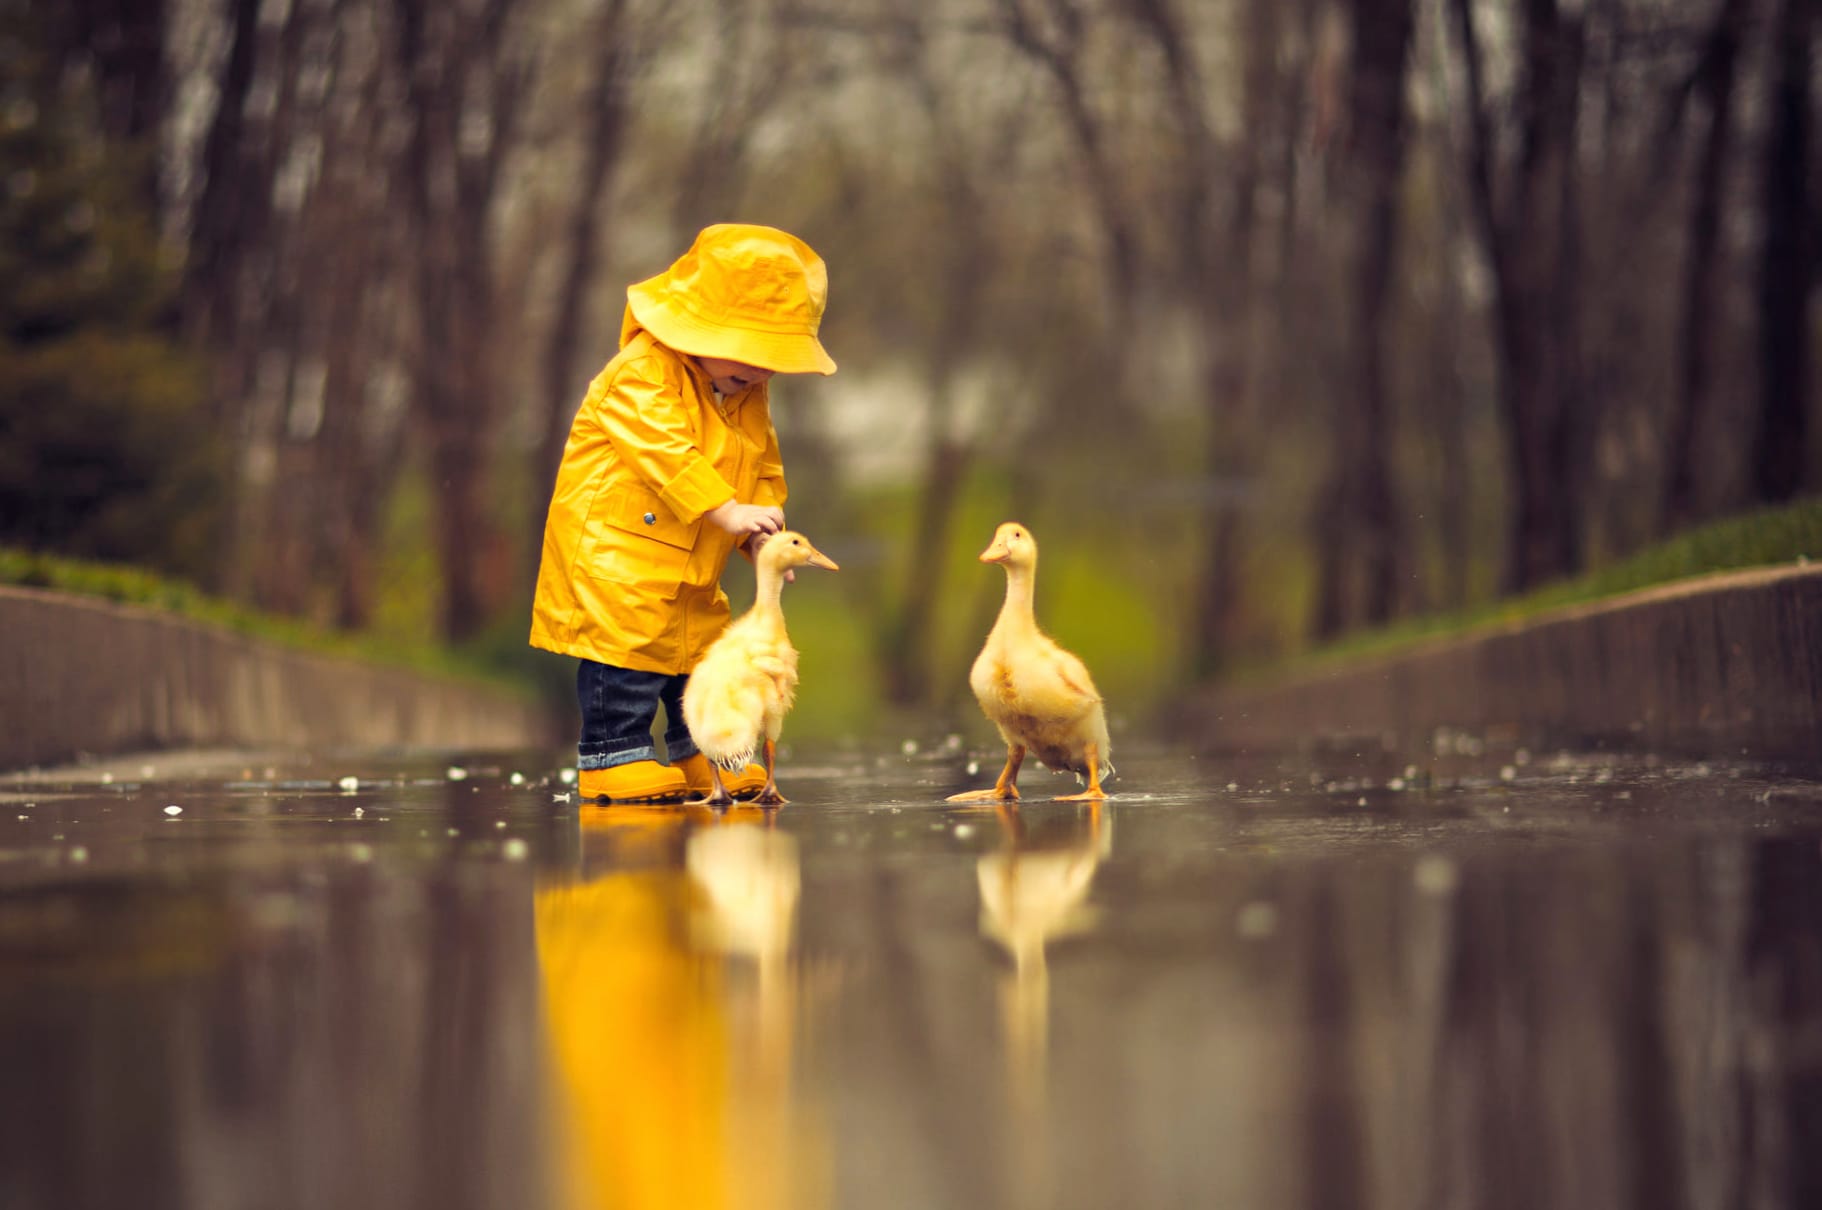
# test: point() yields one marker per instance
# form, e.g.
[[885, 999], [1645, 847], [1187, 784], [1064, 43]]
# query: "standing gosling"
[[1039, 696], [737, 697]]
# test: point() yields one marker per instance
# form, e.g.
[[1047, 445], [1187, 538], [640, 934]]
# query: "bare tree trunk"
[[1786, 268], [606, 112], [1214, 246], [449, 58], [908, 638], [1382, 42], [1530, 240], [1360, 514], [1714, 77], [1060, 55]]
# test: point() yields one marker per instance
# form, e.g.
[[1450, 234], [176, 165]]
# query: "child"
[[672, 463]]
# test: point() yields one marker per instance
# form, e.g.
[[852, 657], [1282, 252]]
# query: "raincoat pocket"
[[637, 541]]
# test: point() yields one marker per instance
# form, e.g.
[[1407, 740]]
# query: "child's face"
[[732, 377]]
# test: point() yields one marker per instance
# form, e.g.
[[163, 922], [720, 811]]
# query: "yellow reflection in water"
[[1034, 890], [670, 1001]]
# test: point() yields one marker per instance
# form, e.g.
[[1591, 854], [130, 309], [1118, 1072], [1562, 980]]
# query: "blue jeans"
[[618, 706]]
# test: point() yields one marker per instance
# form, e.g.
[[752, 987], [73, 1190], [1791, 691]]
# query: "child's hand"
[[743, 520]]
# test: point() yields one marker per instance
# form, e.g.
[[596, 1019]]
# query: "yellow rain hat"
[[741, 293]]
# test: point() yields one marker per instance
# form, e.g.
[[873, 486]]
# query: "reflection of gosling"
[[1032, 894], [1031, 898], [1038, 695], [737, 696], [749, 881]]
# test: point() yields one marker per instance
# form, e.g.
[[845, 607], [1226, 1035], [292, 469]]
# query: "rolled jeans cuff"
[[593, 756]]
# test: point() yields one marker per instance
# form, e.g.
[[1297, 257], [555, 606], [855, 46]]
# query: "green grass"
[[134, 586], [1764, 538]]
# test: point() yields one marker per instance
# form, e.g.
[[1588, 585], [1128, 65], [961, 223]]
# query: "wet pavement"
[[1503, 980]]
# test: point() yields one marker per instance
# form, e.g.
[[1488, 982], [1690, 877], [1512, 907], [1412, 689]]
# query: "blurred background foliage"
[[1278, 321]]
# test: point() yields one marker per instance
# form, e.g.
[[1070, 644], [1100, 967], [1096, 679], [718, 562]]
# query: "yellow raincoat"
[[630, 573]]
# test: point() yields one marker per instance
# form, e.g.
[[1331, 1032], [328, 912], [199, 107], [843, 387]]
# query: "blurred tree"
[[605, 112], [1713, 79], [102, 451], [1360, 535], [465, 71], [1525, 212], [1211, 210], [1787, 263]]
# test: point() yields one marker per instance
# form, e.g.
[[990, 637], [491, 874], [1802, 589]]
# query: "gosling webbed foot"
[[992, 794]]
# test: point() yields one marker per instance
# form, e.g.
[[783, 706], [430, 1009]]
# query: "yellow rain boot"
[[744, 784], [638, 781]]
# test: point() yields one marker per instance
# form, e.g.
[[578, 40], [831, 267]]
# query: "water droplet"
[[1508, 773], [909, 747], [456, 773], [974, 766], [517, 779], [963, 831], [514, 849], [349, 784], [173, 809], [79, 854], [358, 812]]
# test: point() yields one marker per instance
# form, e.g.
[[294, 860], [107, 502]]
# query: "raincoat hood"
[[741, 293]]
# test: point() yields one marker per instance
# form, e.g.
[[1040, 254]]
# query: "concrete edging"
[[85, 676], [1724, 665]]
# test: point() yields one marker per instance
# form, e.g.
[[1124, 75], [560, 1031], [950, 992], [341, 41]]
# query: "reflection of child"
[[672, 462]]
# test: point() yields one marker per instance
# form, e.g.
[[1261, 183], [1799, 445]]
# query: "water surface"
[[1517, 980]]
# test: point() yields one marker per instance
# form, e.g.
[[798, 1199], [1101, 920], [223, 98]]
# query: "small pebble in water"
[[963, 831], [974, 766], [1508, 773], [514, 849], [107, 779], [79, 854], [358, 812]]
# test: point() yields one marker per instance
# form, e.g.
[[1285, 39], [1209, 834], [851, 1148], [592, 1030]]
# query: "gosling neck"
[[768, 587], [1018, 609]]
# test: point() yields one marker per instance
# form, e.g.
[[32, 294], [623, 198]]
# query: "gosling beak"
[[997, 553], [818, 559]]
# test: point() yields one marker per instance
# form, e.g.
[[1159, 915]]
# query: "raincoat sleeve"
[[644, 416]]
